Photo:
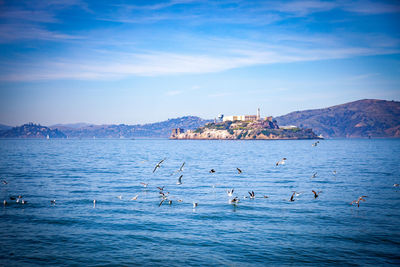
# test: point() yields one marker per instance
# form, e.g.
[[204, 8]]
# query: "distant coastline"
[[367, 118]]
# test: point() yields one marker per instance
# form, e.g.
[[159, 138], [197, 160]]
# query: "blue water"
[[261, 231]]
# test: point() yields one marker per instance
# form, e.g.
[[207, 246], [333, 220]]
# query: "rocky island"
[[249, 127]]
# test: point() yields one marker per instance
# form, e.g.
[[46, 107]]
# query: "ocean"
[[268, 230]]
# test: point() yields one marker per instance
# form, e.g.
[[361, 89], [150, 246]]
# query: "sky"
[[112, 62]]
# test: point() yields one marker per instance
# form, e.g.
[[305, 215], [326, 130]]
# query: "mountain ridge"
[[362, 118]]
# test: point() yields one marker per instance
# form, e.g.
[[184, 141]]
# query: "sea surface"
[[265, 231]]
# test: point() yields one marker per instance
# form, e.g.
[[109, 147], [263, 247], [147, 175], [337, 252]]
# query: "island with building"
[[245, 127]]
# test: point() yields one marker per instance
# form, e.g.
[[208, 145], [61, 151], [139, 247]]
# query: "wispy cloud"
[[112, 64]]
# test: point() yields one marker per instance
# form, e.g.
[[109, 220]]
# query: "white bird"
[[135, 197], [179, 180], [120, 197], [281, 162], [252, 195], [334, 172], [230, 192], [158, 165]]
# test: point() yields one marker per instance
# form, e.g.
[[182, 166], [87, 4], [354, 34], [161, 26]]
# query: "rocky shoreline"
[[241, 130]]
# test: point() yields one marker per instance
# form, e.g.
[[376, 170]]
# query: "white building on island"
[[243, 117]]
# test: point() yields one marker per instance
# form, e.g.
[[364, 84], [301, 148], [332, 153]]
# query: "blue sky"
[[134, 62]]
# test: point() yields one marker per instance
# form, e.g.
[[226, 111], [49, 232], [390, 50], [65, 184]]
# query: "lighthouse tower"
[[258, 114]]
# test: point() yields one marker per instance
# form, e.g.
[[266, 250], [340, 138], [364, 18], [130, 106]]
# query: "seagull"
[[334, 172], [4, 182], [24, 202], [158, 165], [120, 197], [281, 162], [239, 170], [179, 180], [161, 188], [357, 201], [314, 175], [53, 201], [195, 204], [316, 194], [212, 171], [161, 202], [234, 201], [135, 197], [292, 197], [315, 144], [230, 192], [252, 195], [144, 184], [396, 185]]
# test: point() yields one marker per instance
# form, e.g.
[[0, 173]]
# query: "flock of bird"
[[165, 198]]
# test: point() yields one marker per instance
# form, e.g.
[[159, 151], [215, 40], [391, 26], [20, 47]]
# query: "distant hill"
[[4, 127], [362, 118], [158, 129], [31, 130]]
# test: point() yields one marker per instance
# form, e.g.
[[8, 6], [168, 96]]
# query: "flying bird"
[[4, 182], [316, 194], [120, 197], [252, 195], [144, 184], [195, 204], [314, 175], [179, 180], [53, 202], [230, 192], [239, 170], [158, 165], [212, 171], [281, 162], [135, 197], [24, 202], [334, 172], [4, 202], [396, 185], [357, 201], [161, 188], [292, 197]]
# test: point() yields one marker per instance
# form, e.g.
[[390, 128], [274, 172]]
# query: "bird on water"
[[357, 201]]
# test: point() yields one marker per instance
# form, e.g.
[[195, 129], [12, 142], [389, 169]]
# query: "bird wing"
[[155, 168], [180, 179], [315, 193], [161, 202], [181, 168]]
